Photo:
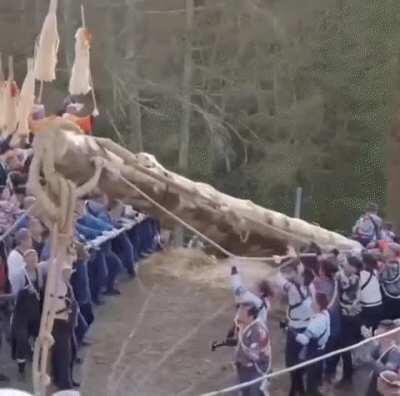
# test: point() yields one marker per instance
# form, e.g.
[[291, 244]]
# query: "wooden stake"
[[94, 99], [39, 99], [1, 68], [83, 16], [10, 68]]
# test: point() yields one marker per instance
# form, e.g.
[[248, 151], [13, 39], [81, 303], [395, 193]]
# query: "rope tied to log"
[[56, 200]]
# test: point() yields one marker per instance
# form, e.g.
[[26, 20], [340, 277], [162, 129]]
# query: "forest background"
[[256, 97]]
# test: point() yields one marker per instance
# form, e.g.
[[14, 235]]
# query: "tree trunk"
[[69, 33], [393, 167], [38, 15], [184, 143], [135, 137], [238, 225], [186, 90]]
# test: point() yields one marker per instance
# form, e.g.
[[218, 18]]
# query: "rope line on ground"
[[301, 365]]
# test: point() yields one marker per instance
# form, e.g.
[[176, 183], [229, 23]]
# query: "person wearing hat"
[[296, 284], [253, 350]]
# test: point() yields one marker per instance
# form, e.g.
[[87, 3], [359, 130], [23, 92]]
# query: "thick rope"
[[43, 343], [302, 365], [57, 202]]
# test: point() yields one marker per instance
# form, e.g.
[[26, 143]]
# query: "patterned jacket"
[[254, 348]]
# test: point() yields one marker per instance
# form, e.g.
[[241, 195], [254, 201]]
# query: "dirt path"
[[154, 340]]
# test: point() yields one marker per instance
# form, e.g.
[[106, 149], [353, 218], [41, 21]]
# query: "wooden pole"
[[298, 203], [10, 68], [95, 112], [83, 16]]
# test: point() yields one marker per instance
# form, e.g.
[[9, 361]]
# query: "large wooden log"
[[238, 225]]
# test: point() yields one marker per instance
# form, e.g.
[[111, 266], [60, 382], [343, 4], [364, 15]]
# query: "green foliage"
[[284, 93]]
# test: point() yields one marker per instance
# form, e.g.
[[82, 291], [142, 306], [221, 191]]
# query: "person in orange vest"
[[71, 112]]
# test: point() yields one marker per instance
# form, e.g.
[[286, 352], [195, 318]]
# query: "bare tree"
[[135, 136], [186, 89]]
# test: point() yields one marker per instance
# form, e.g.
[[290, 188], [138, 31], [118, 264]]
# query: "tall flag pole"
[[10, 100], [2, 94], [26, 100], [47, 48], [81, 82]]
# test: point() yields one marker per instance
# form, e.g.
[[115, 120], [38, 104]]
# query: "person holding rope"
[[15, 260], [253, 351], [370, 292], [313, 341], [296, 284], [390, 281], [348, 280], [26, 317], [326, 283], [260, 298]]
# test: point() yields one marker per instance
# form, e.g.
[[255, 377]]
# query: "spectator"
[[15, 260], [38, 233], [26, 318], [390, 282], [81, 287], [370, 293], [350, 307]]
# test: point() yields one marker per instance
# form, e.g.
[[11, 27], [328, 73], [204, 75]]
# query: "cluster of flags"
[[17, 105]]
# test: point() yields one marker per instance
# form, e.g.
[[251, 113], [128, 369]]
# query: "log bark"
[[238, 225]]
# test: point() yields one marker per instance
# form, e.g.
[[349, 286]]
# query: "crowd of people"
[[110, 238], [334, 300]]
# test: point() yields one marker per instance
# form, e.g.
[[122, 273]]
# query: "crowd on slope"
[[110, 238], [334, 300]]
